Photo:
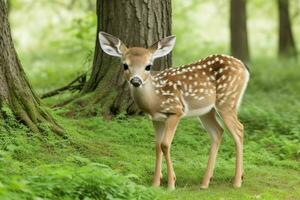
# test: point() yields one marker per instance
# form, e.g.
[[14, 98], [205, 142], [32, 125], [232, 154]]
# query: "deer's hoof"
[[237, 184], [171, 187], [203, 186]]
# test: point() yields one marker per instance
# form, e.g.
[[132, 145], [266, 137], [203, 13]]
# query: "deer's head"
[[137, 61]]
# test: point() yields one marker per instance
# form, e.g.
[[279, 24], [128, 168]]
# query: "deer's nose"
[[136, 81]]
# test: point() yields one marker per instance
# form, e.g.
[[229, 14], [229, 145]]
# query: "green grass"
[[127, 146], [270, 113]]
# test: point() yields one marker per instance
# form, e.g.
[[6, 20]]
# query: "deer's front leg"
[[159, 130], [169, 132]]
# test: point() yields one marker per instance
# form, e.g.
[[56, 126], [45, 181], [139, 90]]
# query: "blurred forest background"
[[102, 150]]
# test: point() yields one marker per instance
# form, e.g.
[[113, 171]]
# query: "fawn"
[[211, 86]]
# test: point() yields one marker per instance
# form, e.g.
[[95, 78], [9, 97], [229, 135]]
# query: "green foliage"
[[66, 181], [80, 32], [8, 117]]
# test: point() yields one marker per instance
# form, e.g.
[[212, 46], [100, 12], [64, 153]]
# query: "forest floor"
[[50, 167]]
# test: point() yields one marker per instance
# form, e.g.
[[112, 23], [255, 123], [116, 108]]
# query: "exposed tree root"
[[70, 87]]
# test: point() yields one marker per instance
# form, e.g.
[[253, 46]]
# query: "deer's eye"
[[125, 66], [148, 67]]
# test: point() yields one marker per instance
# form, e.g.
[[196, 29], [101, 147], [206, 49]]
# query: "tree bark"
[[287, 46], [16, 94], [238, 30], [136, 23], [8, 2]]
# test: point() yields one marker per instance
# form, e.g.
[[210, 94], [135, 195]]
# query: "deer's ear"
[[163, 47], [111, 45]]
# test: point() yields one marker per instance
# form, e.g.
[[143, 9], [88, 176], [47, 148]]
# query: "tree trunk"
[[16, 94], [238, 30], [287, 46], [136, 23], [8, 6]]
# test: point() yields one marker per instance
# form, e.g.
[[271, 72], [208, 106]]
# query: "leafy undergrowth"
[[48, 167], [83, 180]]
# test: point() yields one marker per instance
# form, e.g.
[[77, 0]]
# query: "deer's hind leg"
[[215, 131], [236, 129], [227, 103]]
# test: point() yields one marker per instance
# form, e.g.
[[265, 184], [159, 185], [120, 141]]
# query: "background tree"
[[15, 92], [136, 23], [287, 46], [238, 30]]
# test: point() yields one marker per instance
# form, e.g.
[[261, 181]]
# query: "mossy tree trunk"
[[238, 30], [287, 46], [15, 92], [136, 23]]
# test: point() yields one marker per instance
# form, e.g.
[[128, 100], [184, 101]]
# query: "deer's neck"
[[145, 96]]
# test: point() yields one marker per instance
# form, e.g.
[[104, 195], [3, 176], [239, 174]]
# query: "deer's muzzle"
[[136, 81]]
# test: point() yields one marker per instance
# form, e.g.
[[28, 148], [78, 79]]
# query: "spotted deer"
[[210, 86]]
